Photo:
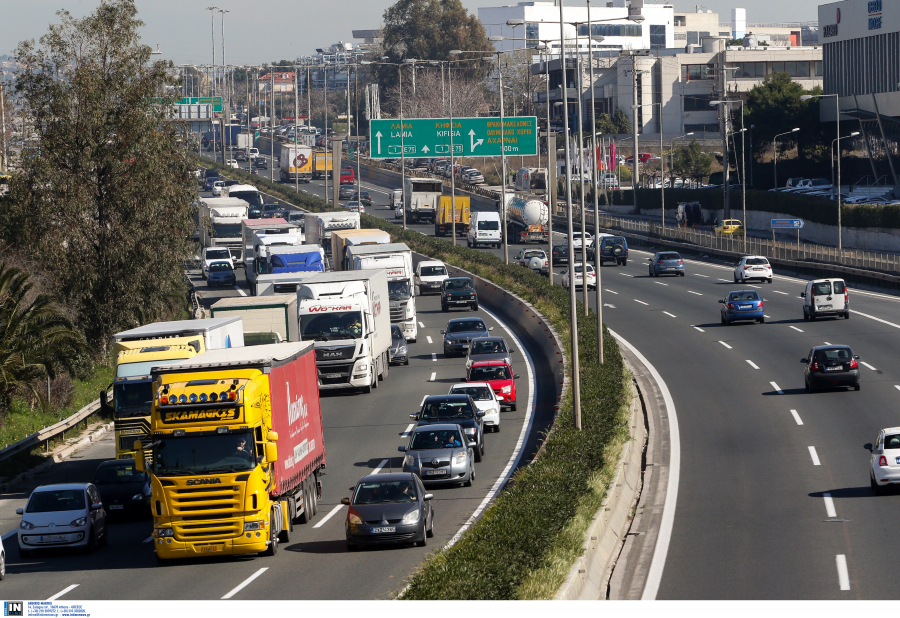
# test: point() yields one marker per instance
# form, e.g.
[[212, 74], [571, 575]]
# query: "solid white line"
[[829, 505], [661, 283], [149, 539], [872, 317], [640, 301], [796, 417], [660, 552], [611, 292], [767, 315], [240, 291], [725, 344], [433, 376], [826, 343], [434, 356], [408, 430], [796, 329], [843, 575], [244, 583], [868, 365], [699, 275], [62, 592], [692, 292], [777, 292], [421, 325], [700, 329], [383, 463], [9, 534], [330, 514], [897, 386], [429, 339], [752, 364], [669, 314], [626, 275], [815, 457], [777, 388], [725, 280]]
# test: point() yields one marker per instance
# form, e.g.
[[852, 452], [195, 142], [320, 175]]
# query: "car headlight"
[[354, 520], [402, 349], [470, 431], [506, 390], [409, 460], [137, 497], [254, 525], [77, 523], [411, 517], [26, 525], [163, 532], [460, 457]]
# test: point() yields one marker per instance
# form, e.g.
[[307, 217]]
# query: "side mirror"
[[414, 417], [802, 294], [721, 301], [402, 449], [512, 350], [443, 332], [867, 446], [472, 443], [516, 377], [97, 507], [856, 357], [271, 452], [803, 360], [427, 497], [345, 500], [490, 328], [479, 413], [21, 511], [273, 436]]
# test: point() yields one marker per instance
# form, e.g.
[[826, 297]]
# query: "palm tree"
[[36, 341]]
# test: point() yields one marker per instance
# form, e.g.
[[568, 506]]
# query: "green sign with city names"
[[216, 102], [472, 137]]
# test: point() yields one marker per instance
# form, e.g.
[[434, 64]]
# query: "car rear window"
[[744, 296], [478, 393], [489, 225], [892, 442], [669, 256], [458, 284], [489, 373], [838, 287], [823, 288], [841, 354], [757, 262], [447, 410]]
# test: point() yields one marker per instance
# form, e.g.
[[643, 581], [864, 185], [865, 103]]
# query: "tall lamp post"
[[775, 150], [837, 109]]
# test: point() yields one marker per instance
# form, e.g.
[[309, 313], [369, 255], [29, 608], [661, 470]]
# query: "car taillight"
[[846, 298], [882, 461], [814, 366], [660, 262], [731, 305], [680, 262], [759, 304], [853, 364]]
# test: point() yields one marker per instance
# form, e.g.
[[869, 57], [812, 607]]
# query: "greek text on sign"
[[427, 137], [787, 223]]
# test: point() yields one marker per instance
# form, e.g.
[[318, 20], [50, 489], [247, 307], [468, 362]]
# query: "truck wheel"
[[387, 369], [306, 516], [315, 495], [272, 549]]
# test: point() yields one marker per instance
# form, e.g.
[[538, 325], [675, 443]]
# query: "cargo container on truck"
[[236, 453], [320, 225], [245, 141], [249, 227], [527, 219], [220, 223], [248, 193], [261, 247], [322, 164], [266, 319], [342, 239], [139, 349], [421, 195], [443, 223], [396, 260], [347, 316], [296, 163]]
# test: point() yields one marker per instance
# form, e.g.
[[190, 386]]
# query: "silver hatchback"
[[440, 455], [65, 515]]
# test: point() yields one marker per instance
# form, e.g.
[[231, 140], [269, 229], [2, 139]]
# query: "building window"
[[612, 30], [791, 68], [681, 36], [680, 20], [750, 69], [657, 36], [696, 71], [531, 34], [697, 102], [701, 128], [693, 38], [818, 65]]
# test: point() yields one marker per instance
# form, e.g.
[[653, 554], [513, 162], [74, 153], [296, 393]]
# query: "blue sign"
[[787, 223]]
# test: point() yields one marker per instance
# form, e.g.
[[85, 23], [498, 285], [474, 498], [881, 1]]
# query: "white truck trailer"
[[422, 196], [266, 319], [396, 260], [320, 225], [220, 223]]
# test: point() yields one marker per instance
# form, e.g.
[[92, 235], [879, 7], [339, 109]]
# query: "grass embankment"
[[528, 539]]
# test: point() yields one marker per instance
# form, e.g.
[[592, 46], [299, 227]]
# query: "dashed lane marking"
[[725, 344], [814, 456], [796, 417]]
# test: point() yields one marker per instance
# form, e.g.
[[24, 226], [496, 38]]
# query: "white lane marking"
[[626, 275], [777, 388], [699, 275], [752, 364], [244, 583], [240, 291], [777, 292], [897, 386], [640, 301], [725, 344], [767, 315], [9, 534], [429, 339], [872, 317], [434, 356], [754, 286], [669, 314], [725, 280], [331, 514], [421, 325], [433, 376], [796, 417], [611, 292], [149, 539], [796, 329], [826, 343], [408, 430], [814, 455], [829, 505], [660, 552], [661, 283], [62, 592], [700, 329], [693, 292], [423, 400], [383, 463], [843, 575], [868, 365]]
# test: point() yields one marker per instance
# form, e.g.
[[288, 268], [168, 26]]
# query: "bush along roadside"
[[527, 540]]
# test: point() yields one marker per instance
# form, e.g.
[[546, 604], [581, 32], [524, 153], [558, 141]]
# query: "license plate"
[[208, 549], [746, 307], [833, 368], [821, 307], [53, 538], [384, 529], [435, 472], [465, 347], [116, 507], [331, 375]]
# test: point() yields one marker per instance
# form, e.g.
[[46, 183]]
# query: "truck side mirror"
[[272, 436], [139, 461], [104, 402], [271, 452]]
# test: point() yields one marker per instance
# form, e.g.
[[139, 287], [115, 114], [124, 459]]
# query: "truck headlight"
[[362, 367], [163, 532], [411, 517], [254, 525]]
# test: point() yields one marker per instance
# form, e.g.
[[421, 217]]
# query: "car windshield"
[[433, 271], [487, 347], [823, 288], [385, 491], [399, 290], [669, 256], [757, 262], [489, 373], [56, 500], [478, 393], [892, 442], [220, 267], [327, 326], [438, 410], [743, 296], [218, 254], [458, 284], [489, 225], [193, 454], [465, 325], [396, 333], [118, 473], [837, 354], [424, 440]]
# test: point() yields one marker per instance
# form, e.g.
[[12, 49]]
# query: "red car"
[[501, 378], [348, 177]]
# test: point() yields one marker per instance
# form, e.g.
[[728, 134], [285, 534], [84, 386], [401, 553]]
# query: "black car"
[[261, 163], [560, 254], [458, 292], [614, 249], [460, 332], [240, 155], [830, 365], [458, 410], [346, 192], [255, 212], [123, 490], [388, 509], [364, 197], [275, 214], [267, 208], [220, 273]]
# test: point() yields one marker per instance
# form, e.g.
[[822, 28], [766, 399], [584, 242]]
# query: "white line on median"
[[698, 328], [699, 275], [642, 302], [626, 275], [661, 283], [796, 417], [693, 292], [872, 317], [843, 575], [868, 365], [433, 376], [796, 329], [244, 583], [62, 592], [777, 388], [240, 291], [829, 505], [754, 286], [429, 339], [669, 314], [814, 455], [329, 515], [611, 292], [434, 356], [777, 292], [725, 344], [752, 364]]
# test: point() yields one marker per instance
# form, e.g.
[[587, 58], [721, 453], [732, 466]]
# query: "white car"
[[752, 267], [215, 254], [355, 207], [485, 399], [65, 515], [396, 198], [429, 277], [825, 297], [398, 211], [217, 188], [254, 153], [535, 259], [579, 280], [884, 463]]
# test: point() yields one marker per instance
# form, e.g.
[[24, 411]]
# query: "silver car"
[[65, 515], [489, 349], [440, 455]]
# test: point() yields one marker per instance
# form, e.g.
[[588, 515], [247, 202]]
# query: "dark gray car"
[[460, 332], [440, 455], [388, 508], [458, 409], [489, 349], [399, 347]]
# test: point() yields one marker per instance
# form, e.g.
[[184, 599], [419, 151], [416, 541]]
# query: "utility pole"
[[595, 165], [272, 122], [3, 149], [402, 148], [636, 163], [452, 175], [296, 127]]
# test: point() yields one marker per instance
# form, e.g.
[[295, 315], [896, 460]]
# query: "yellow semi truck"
[[443, 223], [235, 451]]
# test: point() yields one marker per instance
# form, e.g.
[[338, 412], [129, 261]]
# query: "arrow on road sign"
[[472, 141], [378, 135], [425, 149]]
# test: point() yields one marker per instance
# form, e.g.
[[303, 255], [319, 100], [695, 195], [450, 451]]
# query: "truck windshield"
[[433, 271], [399, 290], [251, 197], [329, 326], [227, 230], [134, 398], [229, 452]]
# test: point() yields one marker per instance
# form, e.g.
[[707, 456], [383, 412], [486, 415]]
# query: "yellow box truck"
[[443, 223]]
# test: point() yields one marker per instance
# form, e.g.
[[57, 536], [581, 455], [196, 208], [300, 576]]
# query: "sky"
[[257, 32]]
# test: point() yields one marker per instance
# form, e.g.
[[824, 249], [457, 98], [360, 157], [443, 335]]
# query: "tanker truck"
[[527, 220]]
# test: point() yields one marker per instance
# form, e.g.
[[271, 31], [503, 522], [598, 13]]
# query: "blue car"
[[210, 181], [742, 305], [666, 263], [220, 273]]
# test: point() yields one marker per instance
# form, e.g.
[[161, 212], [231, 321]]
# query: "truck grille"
[[206, 513], [335, 353], [398, 312], [334, 374]]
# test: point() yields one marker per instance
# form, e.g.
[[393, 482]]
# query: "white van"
[[484, 229], [825, 297]]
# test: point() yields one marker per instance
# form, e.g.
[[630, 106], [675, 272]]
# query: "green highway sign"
[[472, 137], [216, 102]]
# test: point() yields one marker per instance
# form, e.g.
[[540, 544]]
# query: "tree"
[[431, 98], [617, 124], [775, 106], [691, 162], [36, 341], [105, 201]]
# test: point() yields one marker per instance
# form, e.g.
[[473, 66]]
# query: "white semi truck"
[[422, 196], [220, 223], [320, 225], [396, 260], [346, 314]]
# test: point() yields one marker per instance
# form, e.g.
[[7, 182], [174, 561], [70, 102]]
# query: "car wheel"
[[430, 532], [475, 307], [468, 483], [735, 278], [650, 272], [805, 316], [809, 387], [856, 387], [876, 488], [104, 540], [92, 542], [444, 308], [812, 316], [625, 262], [513, 406], [406, 362], [762, 320], [273, 538], [479, 452], [681, 273], [847, 314], [722, 318], [769, 281]]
